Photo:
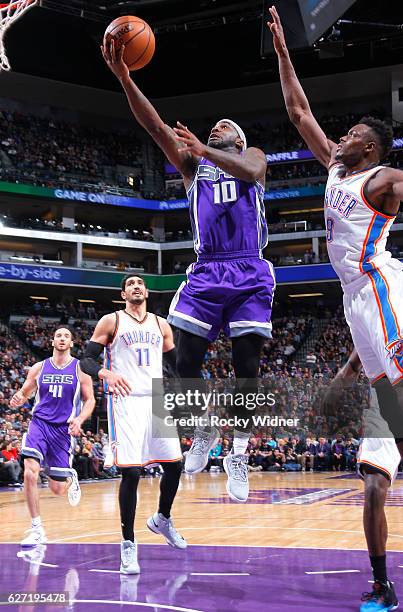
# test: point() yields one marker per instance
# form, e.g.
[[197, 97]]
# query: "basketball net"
[[9, 13]]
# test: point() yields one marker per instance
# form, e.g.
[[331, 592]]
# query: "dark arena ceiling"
[[201, 45]]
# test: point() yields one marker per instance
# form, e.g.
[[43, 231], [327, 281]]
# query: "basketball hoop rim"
[[16, 4]]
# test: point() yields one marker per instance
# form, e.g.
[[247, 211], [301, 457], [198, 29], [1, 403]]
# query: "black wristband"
[[89, 364], [170, 358]]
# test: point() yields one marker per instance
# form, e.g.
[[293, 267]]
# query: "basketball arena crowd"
[[58, 153]]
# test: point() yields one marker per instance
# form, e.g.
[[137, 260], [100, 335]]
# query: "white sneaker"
[[236, 467], [74, 491], [36, 536], [197, 456], [128, 557], [159, 524]]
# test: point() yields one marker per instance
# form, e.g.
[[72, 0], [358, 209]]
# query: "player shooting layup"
[[231, 285], [133, 341], [361, 202], [60, 388]]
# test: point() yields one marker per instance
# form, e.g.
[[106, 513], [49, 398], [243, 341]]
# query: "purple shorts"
[[235, 295], [52, 445]]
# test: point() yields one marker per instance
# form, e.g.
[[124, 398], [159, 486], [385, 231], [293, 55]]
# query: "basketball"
[[138, 38]]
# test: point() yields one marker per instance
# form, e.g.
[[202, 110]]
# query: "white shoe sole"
[[129, 572], [202, 468], [230, 494]]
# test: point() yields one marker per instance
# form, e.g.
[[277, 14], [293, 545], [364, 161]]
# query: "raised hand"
[[114, 59], [191, 143], [276, 29]]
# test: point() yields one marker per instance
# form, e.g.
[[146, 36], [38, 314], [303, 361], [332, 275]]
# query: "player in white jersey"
[[134, 341], [362, 200]]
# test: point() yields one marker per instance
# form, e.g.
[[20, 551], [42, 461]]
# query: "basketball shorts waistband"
[[229, 256]]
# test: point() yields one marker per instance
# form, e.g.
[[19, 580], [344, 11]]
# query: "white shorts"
[[136, 439], [380, 452], [373, 307]]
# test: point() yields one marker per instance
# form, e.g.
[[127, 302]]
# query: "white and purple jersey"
[[58, 398], [227, 214]]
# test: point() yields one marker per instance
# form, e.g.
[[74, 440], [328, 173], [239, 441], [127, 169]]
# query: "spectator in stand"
[[10, 464], [291, 461], [82, 460], [214, 457], [311, 360], [350, 454], [275, 461], [337, 454], [323, 455], [308, 455]]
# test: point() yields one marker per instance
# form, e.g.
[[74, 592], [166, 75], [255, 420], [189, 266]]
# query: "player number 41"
[[56, 390]]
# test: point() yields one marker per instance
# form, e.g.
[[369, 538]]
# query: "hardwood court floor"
[[312, 510]]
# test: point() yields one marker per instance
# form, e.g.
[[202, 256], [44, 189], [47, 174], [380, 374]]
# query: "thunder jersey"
[[356, 234], [227, 214], [58, 397], [136, 351]]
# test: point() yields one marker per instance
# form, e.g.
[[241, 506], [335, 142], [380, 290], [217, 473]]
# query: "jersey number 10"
[[224, 192]]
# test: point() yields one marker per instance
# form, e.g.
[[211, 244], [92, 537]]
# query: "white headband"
[[240, 131]]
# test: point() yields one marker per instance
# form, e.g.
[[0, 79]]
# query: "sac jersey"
[[136, 351], [356, 234], [58, 396], [227, 214]]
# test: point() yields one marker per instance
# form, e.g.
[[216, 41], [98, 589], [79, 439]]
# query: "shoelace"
[[32, 529], [239, 471], [376, 594], [175, 535], [128, 554], [200, 444]]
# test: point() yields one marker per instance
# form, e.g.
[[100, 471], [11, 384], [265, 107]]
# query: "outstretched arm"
[[296, 102], [146, 114]]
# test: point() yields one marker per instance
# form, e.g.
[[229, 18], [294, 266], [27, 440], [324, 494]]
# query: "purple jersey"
[[58, 397], [227, 214]]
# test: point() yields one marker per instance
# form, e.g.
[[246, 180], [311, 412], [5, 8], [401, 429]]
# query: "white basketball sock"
[[241, 440], [36, 522]]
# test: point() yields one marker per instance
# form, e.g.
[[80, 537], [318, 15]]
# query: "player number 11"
[[143, 356]]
